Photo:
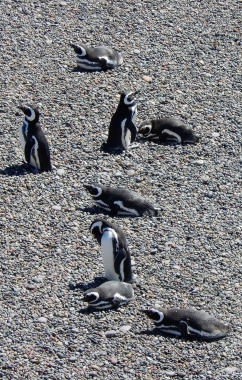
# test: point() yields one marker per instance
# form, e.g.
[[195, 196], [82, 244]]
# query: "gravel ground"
[[184, 57]]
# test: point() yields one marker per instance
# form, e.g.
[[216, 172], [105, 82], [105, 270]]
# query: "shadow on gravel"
[[93, 210], [96, 282], [167, 335], [80, 70], [18, 170]]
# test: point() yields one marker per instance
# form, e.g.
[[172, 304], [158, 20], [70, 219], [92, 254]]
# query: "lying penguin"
[[115, 252], [120, 201], [111, 294], [33, 141], [97, 58], [167, 129], [187, 323]]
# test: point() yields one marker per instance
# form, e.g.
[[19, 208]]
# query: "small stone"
[[199, 162], [72, 359], [114, 361], [125, 328], [111, 333], [230, 370], [93, 373], [49, 42], [30, 287], [132, 263], [42, 320], [60, 171], [205, 179], [170, 373], [118, 174], [136, 51], [130, 172], [153, 251], [181, 374], [215, 134], [56, 207], [147, 78], [75, 330], [62, 3]]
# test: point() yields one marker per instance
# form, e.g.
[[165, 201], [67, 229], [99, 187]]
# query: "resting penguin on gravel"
[[167, 129], [187, 323], [115, 253], [120, 201], [122, 130], [97, 58], [111, 294], [33, 140]]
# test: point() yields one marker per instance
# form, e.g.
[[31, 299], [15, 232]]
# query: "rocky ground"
[[184, 58]]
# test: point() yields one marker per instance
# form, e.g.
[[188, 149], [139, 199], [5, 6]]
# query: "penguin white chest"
[[126, 134], [108, 252], [23, 132]]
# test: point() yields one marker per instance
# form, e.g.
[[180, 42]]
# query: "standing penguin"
[[167, 129], [120, 201], [115, 253], [97, 58], [33, 140], [111, 294], [122, 130], [187, 323]]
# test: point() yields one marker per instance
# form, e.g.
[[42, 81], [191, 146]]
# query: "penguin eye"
[[146, 131]]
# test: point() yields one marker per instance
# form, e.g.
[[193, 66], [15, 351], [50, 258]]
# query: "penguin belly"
[[34, 158], [108, 256], [23, 131]]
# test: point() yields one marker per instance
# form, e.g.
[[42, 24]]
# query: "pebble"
[[230, 370], [147, 78], [114, 361], [170, 374], [60, 172], [125, 328], [130, 172], [56, 207], [42, 320], [215, 134], [111, 333]]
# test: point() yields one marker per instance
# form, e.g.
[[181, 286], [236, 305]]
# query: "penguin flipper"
[[114, 209], [121, 255], [184, 330], [133, 131], [28, 148], [103, 63]]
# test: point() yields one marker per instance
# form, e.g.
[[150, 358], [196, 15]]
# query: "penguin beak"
[[23, 108], [145, 311]]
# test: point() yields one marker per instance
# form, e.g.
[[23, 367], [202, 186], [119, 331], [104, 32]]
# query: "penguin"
[[97, 58], [187, 323], [33, 140], [167, 129], [115, 253], [120, 201], [122, 130], [110, 294]]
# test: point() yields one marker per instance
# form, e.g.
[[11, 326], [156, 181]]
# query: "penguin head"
[[156, 315], [79, 49], [145, 128], [90, 296], [31, 113], [127, 98], [96, 229], [94, 190]]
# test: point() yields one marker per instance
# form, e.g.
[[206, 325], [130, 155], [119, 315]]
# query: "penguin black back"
[[33, 140], [122, 130]]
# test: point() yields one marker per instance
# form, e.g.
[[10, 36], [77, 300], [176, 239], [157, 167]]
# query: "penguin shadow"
[[80, 70], [157, 332], [18, 170], [93, 210], [83, 287], [105, 149]]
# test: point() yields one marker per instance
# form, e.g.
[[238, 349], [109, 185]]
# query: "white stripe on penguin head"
[[126, 99], [97, 224], [32, 115]]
